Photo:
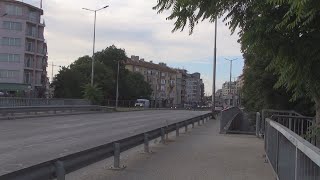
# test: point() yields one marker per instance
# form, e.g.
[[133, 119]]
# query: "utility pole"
[[53, 65], [214, 68]]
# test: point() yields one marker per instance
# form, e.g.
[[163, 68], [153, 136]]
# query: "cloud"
[[134, 26]]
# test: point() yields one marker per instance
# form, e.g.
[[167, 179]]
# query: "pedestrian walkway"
[[202, 154]]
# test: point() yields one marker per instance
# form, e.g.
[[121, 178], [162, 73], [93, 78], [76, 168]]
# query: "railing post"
[[296, 168], [258, 121], [199, 123], [277, 152], [116, 156], [60, 171], [177, 129], [163, 136], [192, 124], [146, 143], [186, 126]]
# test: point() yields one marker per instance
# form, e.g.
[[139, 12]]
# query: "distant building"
[[231, 94], [23, 52], [163, 80], [193, 88]]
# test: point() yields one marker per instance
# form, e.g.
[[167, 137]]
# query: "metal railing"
[[227, 118], [58, 168], [267, 113], [291, 156], [40, 111], [12, 102]]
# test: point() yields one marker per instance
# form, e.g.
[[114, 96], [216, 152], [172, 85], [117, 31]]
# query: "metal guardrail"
[[291, 156], [13, 102], [26, 111], [58, 168], [227, 117], [267, 113]]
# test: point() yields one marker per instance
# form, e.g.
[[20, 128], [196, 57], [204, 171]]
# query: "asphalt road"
[[28, 142]]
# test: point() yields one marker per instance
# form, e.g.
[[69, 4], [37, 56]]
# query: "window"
[[162, 88], [28, 62], [17, 26], [8, 73], [5, 57], [14, 10], [11, 41], [30, 46], [163, 81], [31, 31]]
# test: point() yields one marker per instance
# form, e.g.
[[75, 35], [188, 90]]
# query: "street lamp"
[[231, 60], [214, 68], [117, 93], [94, 39]]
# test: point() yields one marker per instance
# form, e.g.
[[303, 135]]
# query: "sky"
[[133, 25]]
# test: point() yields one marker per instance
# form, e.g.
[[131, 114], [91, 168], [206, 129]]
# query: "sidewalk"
[[202, 154]]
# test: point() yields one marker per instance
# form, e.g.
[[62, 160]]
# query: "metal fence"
[[291, 156], [267, 113], [58, 168], [227, 117], [13, 102]]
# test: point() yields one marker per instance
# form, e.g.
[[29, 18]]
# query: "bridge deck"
[[201, 154]]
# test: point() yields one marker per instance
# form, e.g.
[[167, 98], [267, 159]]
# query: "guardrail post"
[[146, 143], [177, 129], [258, 121], [116, 161], [186, 127], [163, 136], [60, 171]]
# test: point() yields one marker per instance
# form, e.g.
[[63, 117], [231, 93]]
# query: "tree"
[[72, 81], [286, 31], [93, 93]]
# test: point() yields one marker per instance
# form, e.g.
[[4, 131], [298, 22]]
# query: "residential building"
[[232, 97], [181, 86], [193, 88], [163, 81], [202, 100], [23, 49]]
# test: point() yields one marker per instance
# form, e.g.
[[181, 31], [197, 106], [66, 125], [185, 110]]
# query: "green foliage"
[[283, 33], [93, 93], [71, 81]]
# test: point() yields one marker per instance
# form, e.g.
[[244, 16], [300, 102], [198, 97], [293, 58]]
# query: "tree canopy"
[[72, 81], [284, 32]]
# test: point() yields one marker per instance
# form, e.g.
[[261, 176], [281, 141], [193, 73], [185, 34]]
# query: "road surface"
[[28, 142]]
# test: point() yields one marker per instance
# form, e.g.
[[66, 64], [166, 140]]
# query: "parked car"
[[145, 103]]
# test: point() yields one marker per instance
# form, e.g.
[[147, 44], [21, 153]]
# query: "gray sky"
[[134, 26]]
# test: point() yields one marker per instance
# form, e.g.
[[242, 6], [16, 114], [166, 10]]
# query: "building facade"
[[23, 52], [193, 88], [162, 79]]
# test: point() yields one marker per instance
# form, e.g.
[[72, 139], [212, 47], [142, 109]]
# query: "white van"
[[145, 103]]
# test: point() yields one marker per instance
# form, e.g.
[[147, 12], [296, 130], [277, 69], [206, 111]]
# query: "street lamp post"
[[231, 60], [214, 68], [117, 93], [94, 39]]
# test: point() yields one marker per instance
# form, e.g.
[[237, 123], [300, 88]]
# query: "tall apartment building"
[[193, 88], [23, 49], [163, 80]]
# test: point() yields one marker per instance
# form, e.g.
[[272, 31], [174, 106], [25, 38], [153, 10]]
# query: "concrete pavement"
[[202, 154], [26, 142]]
